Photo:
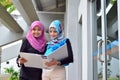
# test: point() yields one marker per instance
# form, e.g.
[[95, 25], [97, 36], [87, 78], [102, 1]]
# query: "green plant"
[[112, 79], [113, 2], [8, 5], [14, 74]]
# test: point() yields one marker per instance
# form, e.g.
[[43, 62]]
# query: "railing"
[[4, 76]]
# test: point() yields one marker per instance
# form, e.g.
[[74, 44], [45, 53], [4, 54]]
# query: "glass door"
[[106, 56]]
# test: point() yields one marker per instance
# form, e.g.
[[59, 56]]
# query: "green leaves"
[[8, 5], [113, 1], [14, 74]]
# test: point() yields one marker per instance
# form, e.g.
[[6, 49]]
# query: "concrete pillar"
[[8, 21], [26, 9], [87, 19], [73, 32]]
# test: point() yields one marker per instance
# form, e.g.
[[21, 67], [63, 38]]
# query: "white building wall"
[[82, 37], [73, 32], [87, 18], [10, 51]]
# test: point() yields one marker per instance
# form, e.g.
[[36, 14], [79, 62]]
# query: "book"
[[59, 53], [37, 61], [33, 60]]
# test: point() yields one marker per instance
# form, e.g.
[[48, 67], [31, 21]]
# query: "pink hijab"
[[37, 43]]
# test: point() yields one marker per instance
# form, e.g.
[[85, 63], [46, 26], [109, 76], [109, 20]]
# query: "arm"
[[22, 49], [69, 59]]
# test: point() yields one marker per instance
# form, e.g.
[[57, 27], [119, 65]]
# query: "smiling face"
[[53, 33], [36, 31]]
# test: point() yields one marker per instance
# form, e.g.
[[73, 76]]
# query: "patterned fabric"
[[53, 47], [57, 42], [56, 24]]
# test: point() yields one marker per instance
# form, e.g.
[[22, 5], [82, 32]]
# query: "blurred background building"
[[93, 27]]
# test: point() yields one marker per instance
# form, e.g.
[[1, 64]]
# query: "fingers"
[[52, 63], [22, 60]]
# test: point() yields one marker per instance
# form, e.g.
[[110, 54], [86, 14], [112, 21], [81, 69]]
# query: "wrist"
[[59, 63]]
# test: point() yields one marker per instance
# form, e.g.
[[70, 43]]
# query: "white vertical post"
[[104, 30], [87, 38], [93, 29], [118, 10], [0, 58], [71, 17]]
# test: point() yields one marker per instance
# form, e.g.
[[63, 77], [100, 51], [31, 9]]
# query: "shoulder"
[[64, 40], [24, 41], [67, 40]]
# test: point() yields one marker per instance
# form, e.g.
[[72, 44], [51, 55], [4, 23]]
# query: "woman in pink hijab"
[[34, 43]]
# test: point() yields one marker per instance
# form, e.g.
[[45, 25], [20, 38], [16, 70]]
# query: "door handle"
[[100, 52]]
